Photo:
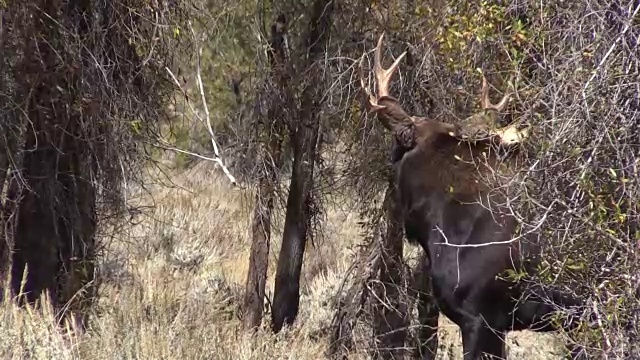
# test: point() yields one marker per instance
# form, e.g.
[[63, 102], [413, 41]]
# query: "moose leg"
[[536, 310], [538, 304], [428, 315], [480, 341], [535, 315], [494, 347]]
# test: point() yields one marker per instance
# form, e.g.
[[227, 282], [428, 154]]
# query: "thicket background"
[[109, 194]]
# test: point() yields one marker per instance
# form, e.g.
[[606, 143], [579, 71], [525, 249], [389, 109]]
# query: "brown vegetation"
[[95, 94], [174, 284]]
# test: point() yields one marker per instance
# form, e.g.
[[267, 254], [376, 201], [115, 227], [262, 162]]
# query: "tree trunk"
[[287, 284], [261, 234], [8, 199], [4, 151], [390, 322], [5, 248], [56, 224], [58, 253], [267, 182]]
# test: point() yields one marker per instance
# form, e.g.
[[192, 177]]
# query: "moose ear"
[[406, 137]]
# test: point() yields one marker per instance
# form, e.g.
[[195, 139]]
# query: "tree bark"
[[56, 223], [58, 252], [287, 284], [4, 151], [12, 130], [8, 216], [261, 234], [267, 182], [5, 248]]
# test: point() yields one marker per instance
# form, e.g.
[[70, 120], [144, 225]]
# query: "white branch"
[[601, 326], [207, 121], [512, 240], [204, 99]]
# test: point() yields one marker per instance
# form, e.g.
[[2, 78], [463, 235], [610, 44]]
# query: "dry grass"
[[174, 282]]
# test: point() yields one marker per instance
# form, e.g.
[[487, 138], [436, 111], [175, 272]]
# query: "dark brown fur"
[[446, 209]]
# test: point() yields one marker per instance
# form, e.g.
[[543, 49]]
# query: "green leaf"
[[575, 267]]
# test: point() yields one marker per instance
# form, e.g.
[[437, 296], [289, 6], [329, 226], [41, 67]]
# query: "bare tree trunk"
[[267, 181], [390, 322], [4, 160], [58, 253], [36, 246], [56, 224], [12, 128], [287, 284], [5, 248], [4, 151], [353, 305], [261, 231], [7, 225]]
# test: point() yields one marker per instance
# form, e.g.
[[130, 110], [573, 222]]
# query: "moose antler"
[[487, 121], [383, 77], [394, 118], [484, 98], [407, 129]]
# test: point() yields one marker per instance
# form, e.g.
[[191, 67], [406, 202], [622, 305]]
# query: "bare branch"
[[217, 159]]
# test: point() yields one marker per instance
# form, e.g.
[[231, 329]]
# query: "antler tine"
[[372, 105], [392, 116], [485, 103], [484, 98], [503, 102], [384, 76], [363, 84]]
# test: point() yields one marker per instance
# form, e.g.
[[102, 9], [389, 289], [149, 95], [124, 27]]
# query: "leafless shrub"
[[582, 177], [575, 70], [83, 91]]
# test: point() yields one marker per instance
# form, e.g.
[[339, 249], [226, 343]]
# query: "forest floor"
[[174, 283]]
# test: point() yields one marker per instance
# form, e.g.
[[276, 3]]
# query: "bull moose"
[[447, 210]]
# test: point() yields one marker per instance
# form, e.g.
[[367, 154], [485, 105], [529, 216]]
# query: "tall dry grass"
[[172, 286]]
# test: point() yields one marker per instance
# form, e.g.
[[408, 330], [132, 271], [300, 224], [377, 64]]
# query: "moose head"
[[450, 147]]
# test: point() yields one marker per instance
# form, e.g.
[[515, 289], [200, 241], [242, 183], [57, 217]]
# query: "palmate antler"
[[407, 129], [394, 118], [486, 102], [484, 124], [383, 77]]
